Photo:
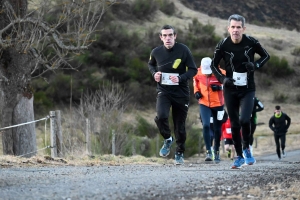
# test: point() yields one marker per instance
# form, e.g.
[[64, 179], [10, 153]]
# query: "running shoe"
[[179, 158], [208, 156], [165, 149], [249, 159], [217, 157], [238, 163], [283, 153], [229, 153], [251, 149]]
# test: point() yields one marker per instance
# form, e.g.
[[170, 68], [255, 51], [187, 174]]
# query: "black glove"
[[250, 66], [198, 95], [228, 82], [215, 87]]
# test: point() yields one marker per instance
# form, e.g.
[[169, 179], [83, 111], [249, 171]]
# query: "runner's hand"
[[250, 66], [228, 82], [198, 95]]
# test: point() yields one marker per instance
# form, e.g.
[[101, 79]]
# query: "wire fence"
[[31, 122]]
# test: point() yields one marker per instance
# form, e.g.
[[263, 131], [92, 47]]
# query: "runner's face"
[[277, 111], [168, 38], [236, 31]]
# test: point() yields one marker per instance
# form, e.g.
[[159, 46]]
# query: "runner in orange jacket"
[[209, 93]]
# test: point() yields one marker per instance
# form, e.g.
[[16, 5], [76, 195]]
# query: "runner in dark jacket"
[[257, 107], [172, 66], [237, 51], [279, 123]]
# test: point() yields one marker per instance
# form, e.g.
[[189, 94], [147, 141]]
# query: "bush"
[[144, 128], [296, 51], [298, 98], [143, 9], [166, 7], [279, 98], [277, 67]]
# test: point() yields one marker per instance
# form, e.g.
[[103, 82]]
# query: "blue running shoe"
[[238, 163], [165, 150], [249, 159], [217, 157], [179, 158]]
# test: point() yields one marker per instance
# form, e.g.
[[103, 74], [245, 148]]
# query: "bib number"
[[240, 78]]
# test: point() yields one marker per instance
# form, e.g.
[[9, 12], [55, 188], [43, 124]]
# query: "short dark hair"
[[165, 27], [238, 18], [277, 107]]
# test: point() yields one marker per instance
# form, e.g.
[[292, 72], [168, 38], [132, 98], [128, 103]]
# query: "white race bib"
[[165, 78], [228, 130], [220, 115], [240, 78]]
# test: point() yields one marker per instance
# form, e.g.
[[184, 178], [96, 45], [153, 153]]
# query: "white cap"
[[205, 65]]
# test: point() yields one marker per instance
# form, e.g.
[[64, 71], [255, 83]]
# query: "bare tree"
[[31, 46], [105, 110]]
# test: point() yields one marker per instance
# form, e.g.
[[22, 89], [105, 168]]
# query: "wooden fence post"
[[55, 134], [87, 136], [59, 139], [52, 134], [157, 145], [133, 150], [113, 141]]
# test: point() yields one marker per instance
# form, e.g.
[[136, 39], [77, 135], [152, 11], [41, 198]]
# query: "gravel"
[[194, 180]]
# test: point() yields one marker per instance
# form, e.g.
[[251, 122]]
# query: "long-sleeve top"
[[280, 125], [202, 84], [257, 107], [178, 60], [236, 56]]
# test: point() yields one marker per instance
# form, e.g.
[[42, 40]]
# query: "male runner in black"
[[171, 66], [279, 123], [237, 51]]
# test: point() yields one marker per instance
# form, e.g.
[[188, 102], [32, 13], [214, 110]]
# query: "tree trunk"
[[15, 91], [24, 137], [17, 103]]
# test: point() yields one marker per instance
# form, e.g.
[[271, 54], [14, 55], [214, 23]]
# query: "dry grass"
[[110, 160]]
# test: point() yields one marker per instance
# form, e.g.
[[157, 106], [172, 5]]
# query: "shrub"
[[143, 9], [279, 97], [166, 7], [266, 82], [298, 98], [296, 51], [144, 128], [277, 67]]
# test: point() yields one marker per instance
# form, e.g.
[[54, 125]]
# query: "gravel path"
[[196, 179]]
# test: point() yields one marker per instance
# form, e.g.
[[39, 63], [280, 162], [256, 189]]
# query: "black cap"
[[277, 107]]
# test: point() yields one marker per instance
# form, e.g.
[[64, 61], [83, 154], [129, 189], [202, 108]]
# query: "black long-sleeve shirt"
[[178, 60], [236, 56], [257, 107], [280, 125]]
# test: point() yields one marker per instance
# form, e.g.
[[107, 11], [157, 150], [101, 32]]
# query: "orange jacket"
[[202, 84]]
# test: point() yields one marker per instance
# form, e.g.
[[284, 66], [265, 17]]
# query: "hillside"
[[129, 32], [268, 37], [264, 13]]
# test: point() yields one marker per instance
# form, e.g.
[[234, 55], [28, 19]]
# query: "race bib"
[[240, 78], [228, 130], [165, 78], [220, 115]]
